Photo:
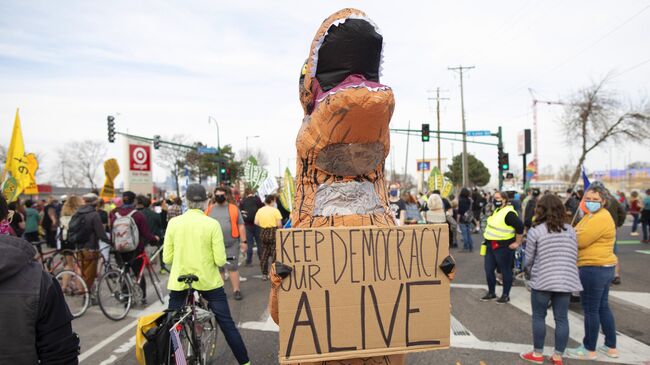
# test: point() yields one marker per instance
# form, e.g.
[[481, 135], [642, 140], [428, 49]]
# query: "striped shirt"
[[551, 259]]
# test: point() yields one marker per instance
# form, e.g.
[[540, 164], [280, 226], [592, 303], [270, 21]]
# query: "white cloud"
[[165, 66]]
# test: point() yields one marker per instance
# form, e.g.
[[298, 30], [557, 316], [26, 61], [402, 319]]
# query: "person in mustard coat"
[[596, 233]]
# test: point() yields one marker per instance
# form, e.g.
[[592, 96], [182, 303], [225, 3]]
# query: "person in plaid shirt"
[[174, 209]]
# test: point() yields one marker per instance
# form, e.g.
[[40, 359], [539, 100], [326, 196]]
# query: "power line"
[[567, 60]]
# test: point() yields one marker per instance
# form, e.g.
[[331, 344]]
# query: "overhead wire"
[[570, 58]]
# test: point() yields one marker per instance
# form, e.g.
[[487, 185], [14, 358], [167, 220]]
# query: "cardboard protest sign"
[[362, 291]]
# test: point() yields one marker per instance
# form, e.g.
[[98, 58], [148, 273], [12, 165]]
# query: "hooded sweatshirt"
[[34, 317], [94, 226]]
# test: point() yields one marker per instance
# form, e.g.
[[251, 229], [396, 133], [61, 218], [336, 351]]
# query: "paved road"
[[482, 333]]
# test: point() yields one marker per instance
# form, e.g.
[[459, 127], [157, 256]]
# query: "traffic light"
[[111, 128], [504, 161], [425, 132], [222, 174], [156, 142]]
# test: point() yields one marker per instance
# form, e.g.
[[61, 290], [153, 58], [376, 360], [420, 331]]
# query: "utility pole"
[[406, 163], [460, 70], [437, 99], [535, 134]]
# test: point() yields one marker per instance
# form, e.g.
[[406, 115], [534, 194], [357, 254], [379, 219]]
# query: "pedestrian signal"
[[156, 142]]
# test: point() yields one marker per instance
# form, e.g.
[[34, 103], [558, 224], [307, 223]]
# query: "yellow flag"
[[21, 167]]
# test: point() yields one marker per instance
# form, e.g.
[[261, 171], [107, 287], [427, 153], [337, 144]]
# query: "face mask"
[[393, 192], [498, 203], [220, 198], [593, 207]]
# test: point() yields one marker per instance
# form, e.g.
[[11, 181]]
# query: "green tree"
[[479, 175]]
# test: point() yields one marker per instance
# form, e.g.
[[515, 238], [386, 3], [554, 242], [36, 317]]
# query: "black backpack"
[[78, 232], [249, 207]]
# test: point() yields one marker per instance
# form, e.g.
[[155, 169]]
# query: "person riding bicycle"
[[194, 245], [144, 235], [93, 232]]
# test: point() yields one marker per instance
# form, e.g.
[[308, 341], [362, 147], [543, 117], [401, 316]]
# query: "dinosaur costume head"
[[344, 138]]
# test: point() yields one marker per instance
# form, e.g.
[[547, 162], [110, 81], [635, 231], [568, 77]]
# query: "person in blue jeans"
[[596, 234], [502, 235], [552, 255], [465, 223]]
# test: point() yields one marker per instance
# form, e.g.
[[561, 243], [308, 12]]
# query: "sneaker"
[[531, 357], [581, 353], [556, 361], [265, 277], [238, 295], [634, 234], [488, 296], [617, 280], [503, 300], [608, 351]]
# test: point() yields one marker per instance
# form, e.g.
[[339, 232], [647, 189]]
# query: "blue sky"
[[166, 65]]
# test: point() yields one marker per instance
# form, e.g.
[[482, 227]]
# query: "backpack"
[[77, 232], [152, 338], [126, 236], [249, 208]]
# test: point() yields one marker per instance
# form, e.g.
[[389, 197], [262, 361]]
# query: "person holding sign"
[[268, 218], [502, 235], [350, 286]]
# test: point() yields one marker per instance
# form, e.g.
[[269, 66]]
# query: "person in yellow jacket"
[[194, 245], [502, 235], [596, 233]]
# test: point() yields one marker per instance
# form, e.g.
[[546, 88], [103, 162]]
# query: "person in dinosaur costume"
[[344, 138]]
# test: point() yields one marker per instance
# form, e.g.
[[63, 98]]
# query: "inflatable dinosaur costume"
[[344, 138]]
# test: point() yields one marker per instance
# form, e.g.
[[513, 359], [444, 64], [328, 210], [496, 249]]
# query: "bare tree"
[[78, 162], [564, 172], [173, 158], [594, 116]]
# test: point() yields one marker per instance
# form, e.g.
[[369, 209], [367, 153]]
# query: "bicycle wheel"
[[115, 295], [75, 292], [155, 281], [207, 331]]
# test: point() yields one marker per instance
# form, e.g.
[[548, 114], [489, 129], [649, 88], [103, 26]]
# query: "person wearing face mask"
[[502, 235], [230, 218], [596, 233], [397, 204], [268, 218]]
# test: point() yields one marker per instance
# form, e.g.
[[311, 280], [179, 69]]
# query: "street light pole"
[[211, 118]]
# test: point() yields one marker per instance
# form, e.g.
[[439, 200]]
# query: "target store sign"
[[139, 157]]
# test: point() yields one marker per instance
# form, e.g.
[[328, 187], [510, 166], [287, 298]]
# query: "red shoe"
[[555, 361], [531, 357]]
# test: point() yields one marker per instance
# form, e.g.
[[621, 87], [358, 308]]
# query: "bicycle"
[[196, 328], [73, 285], [118, 289]]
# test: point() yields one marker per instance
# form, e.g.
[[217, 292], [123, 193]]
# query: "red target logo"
[[140, 157]]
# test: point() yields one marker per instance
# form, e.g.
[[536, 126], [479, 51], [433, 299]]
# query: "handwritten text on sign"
[[362, 291]]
